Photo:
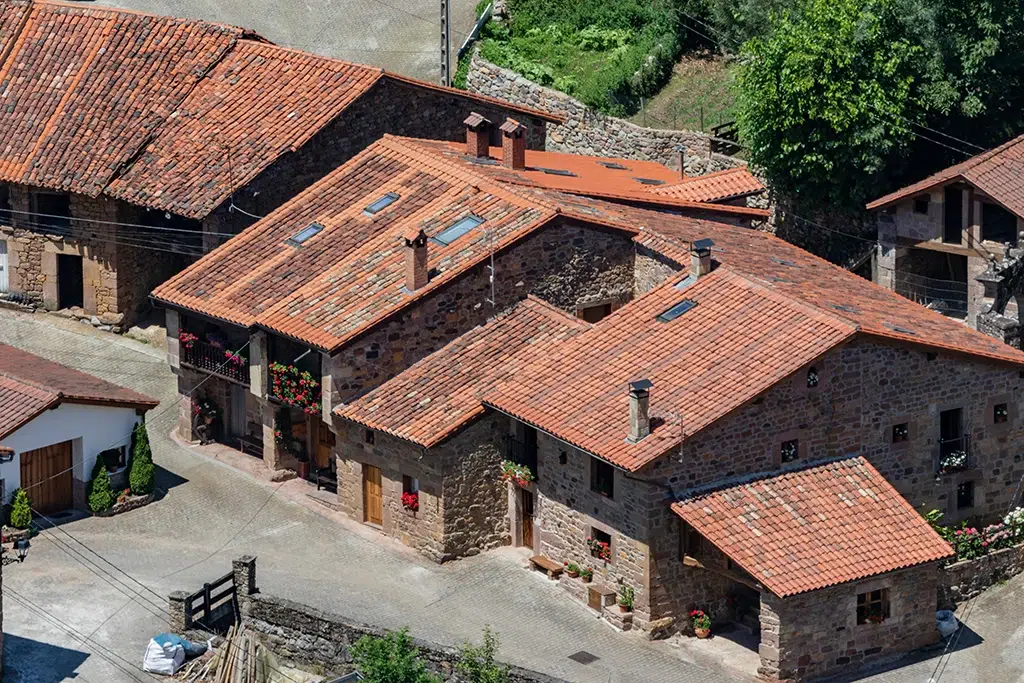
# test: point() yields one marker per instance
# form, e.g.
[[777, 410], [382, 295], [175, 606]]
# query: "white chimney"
[[639, 409]]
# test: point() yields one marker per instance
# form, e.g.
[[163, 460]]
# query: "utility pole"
[[446, 43]]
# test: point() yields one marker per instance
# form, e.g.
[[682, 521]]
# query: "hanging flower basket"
[[295, 387], [513, 471]]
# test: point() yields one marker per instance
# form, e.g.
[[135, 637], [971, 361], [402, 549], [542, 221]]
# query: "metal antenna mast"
[[490, 266], [446, 43]]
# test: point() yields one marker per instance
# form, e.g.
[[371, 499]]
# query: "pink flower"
[[958, 532]]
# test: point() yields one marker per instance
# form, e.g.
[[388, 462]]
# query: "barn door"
[[46, 477], [373, 503], [325, 441]]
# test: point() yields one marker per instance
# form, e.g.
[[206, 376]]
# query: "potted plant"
[[572, 569], [701, 623], [599, 549], [513, 471], [625, 599], [411, 501], [586, 574]]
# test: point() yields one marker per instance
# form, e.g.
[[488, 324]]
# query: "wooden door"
[[324, 445], [527, 518], [46, 477], [373, 502], [238, 417]]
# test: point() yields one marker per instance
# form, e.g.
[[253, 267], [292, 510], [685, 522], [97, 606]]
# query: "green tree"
[[477, 664], [100, 494], [21, 510], [142, 474], [822, 100], [390, 659]]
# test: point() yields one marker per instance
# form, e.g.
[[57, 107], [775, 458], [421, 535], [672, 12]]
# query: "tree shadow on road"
[[33, 661]]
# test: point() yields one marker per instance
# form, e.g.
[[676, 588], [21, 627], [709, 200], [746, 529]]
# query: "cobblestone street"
[[210, 514]]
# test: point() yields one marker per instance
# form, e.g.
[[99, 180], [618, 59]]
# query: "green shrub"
[[477, 665], [142, 474], [391, 659], [100, 494], [21, 510]]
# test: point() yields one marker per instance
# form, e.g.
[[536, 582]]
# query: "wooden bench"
[[553, 569], [250, 446]]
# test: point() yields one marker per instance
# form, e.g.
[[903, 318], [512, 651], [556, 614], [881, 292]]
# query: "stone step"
[[326, 498]]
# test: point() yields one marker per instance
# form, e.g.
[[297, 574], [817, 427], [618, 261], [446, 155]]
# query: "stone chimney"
[[700, 257], [513, 145], [639, 409], [415, 259], [681, 156], [478, 129]]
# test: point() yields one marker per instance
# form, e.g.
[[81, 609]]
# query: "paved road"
[[400, 35], [212, 513]]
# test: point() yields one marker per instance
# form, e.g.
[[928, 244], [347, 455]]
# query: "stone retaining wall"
[[966, 579], [588, 131], [306, 636]]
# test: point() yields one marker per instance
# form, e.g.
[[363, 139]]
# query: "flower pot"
[[588, 579], [302, 469], [702, 633], [573, 575], [623, 608]]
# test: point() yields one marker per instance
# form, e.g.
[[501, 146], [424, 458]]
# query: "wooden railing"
[[215, 360], [214, 603]]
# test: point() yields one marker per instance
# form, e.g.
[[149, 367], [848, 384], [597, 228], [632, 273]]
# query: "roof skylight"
[[302, 235], [458, 229], [676, 311], [614, 165], [381, 204], [649, 181], [555, 171]]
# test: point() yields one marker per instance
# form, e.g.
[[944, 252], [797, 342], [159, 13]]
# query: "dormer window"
[[458, 229], [381, 204]]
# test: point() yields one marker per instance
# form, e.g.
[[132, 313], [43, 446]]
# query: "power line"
[[115, 223]]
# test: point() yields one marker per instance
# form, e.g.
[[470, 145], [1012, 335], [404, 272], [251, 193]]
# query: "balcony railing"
[[954, 454], [520, 453], [948, 297], [215, 360]]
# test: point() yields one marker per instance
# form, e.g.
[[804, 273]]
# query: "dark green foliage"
[[390, 659], [478, 665], [142, 474], [99, 492], [21, 510]]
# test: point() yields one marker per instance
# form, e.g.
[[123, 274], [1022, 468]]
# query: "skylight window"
[[458, 229], [302, 235], [897, 328], [785, 262], [676, 311], [555, 171], [381, 204], [612, 164], [649, 181]]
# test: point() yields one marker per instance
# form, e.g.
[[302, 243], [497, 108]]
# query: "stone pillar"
[[172, 321], [244, 569], [186, 380], [770, 631], [328, 396], [259, 364], [179, 612], [50, 280], [270, 458], [976, 266]]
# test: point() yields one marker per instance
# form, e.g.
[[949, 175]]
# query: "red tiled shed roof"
[[999, 173], [29, 384], [730, 183], [436, 396], [817, 527]]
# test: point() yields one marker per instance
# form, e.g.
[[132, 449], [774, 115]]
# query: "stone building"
[[163, 137], [950, 241]]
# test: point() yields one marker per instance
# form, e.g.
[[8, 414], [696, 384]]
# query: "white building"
[[57, 420]]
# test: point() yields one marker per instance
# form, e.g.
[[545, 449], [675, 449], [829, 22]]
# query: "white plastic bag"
[[164, 655], [946, 622]]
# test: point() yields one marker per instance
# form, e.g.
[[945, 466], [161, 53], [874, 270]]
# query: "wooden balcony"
[[215, 360]]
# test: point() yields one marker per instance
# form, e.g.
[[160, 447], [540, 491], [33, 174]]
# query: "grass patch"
[[700, 94]]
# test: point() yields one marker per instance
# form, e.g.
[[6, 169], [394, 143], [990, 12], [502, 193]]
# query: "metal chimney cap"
[[703, 244], [641, 385]]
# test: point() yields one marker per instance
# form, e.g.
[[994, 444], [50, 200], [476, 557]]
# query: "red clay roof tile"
[[712, 187], [812, 528]]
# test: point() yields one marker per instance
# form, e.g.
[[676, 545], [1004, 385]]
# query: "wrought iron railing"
[[216, 360], [954, 454], [948, 297]]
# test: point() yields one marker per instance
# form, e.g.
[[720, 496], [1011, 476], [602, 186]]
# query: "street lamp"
[[21, 546]]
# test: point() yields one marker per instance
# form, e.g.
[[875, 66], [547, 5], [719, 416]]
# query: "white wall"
[[92, 429]]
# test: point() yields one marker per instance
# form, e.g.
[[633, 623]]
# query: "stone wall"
[[815, 634], [462, 503], [964, 580], [310, 637], [567, 265], [587, 131]]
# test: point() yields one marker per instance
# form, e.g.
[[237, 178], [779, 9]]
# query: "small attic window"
[[676, 311], [613, 165], [458, 229], [303, 235], [921, 204], [649, 181], [555, 171], [381, 204]]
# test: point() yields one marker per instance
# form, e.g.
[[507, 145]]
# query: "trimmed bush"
[[142, 474], [21, 510], [100, 494]]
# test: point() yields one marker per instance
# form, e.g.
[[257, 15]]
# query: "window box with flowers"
[[602, 550], [514, 472], [954, 461], [411, 501], [295, 387]]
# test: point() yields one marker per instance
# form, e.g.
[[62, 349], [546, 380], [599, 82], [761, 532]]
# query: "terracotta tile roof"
[[808, 529], [999, 173], [146, 108], [712, 187], [436, 396], [609, 178], [30, 384], [739, 340]]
